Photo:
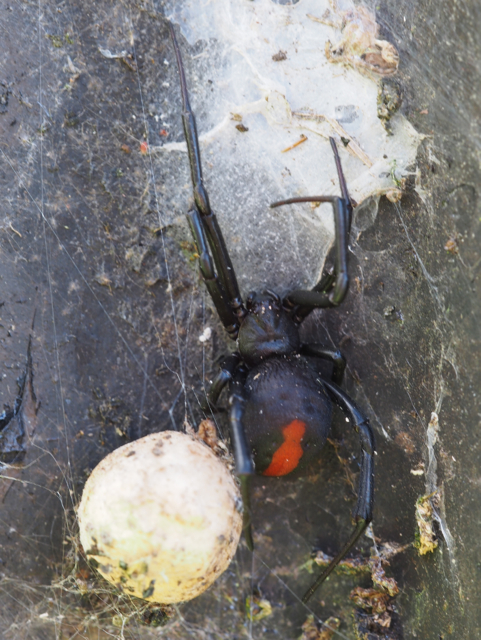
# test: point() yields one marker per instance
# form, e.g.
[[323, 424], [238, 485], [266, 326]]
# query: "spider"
[[280, 406]]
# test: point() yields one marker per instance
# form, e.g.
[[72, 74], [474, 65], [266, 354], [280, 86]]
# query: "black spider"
[[280, 407]]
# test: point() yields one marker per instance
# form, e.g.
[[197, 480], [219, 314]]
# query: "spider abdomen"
[[287, 415]]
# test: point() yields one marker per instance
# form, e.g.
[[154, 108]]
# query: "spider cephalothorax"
[[266, 330], [280, 404]]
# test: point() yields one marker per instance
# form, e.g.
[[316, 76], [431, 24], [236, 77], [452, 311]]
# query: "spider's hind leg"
[[242, 453], [333, 355], [235, 374], [362, 513], [228, 365]]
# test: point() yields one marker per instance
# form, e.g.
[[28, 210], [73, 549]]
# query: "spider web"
[[98, 268], [100, 275]]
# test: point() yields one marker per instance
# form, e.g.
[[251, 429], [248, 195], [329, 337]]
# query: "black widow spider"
[[280, 407]]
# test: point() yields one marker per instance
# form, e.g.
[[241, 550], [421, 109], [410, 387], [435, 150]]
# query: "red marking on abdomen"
[[287, 456]]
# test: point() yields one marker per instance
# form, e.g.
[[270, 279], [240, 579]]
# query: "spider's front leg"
[[209, 276], [332, 288], [205, 229]]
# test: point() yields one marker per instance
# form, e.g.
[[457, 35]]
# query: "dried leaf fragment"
[[312, 631], [278, 57], [370, 599], [425, 538], [359, 46], [257, 608]]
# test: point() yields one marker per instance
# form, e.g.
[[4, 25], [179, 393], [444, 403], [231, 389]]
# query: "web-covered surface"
[[97, 268]]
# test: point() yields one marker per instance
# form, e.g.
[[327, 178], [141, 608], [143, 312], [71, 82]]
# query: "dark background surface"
[[118, 310]]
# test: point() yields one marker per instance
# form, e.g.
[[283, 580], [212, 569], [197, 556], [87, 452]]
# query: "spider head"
[[267, 329]]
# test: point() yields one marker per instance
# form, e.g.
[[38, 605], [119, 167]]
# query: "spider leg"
[[242, 454], [204, 222], [227, 370], [212, 282], [362, 514], [342, 183], [333, 355], [332, 288]]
